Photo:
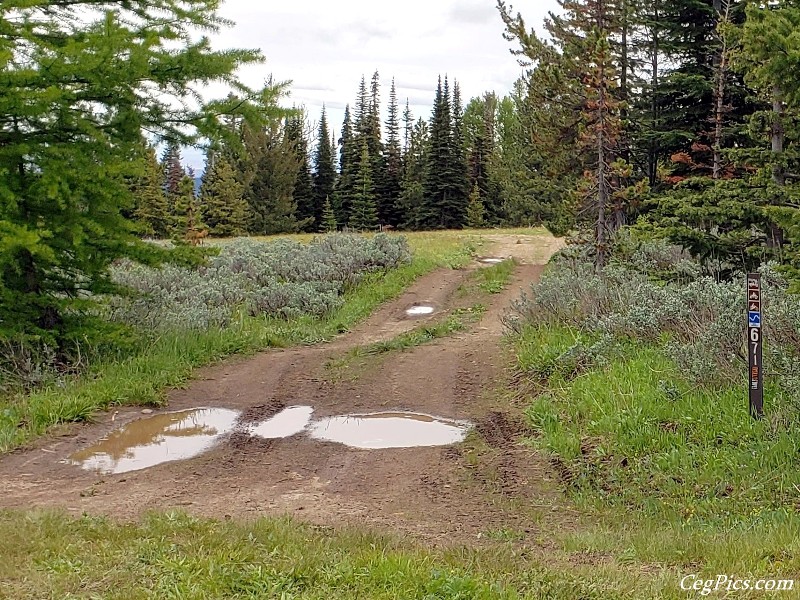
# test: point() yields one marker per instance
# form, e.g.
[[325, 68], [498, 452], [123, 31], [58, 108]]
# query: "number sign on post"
[[755, 336]]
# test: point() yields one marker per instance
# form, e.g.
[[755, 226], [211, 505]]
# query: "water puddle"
[[286, 423], [419, 311], [491, 260], [161, 438], [389, 430]]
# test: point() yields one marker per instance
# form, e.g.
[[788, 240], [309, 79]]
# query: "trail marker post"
[[755, 344]]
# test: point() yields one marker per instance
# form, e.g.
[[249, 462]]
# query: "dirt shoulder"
[[460, 492]]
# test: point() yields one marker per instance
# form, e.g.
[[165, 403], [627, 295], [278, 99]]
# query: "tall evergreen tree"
[[188, 219], [445, 205], [364, 212], [151, 208], [349, 157], [411, 201], [324, 169], [303, 194], [389, 192], [173, 171], [223, 207], [270, 193]]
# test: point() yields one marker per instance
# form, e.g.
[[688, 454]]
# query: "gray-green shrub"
[[702, 324], [282, 278]]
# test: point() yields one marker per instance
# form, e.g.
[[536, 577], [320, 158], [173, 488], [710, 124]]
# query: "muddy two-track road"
[[441, 494]]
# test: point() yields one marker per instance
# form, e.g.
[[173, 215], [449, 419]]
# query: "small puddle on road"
[[491, 261], [419, 311], [286, 423], [389, 430], [157, 439]]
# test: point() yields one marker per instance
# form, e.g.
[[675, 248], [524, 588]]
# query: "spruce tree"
[[349, 156], [475, 209], [151, 211], [224, 209], [188, 219], [364, 212], [389, 193], [81, 80], [445, 203], [328, 221], [270, 193], [324, 169], [173, 170], [411, 201], [303, 193]]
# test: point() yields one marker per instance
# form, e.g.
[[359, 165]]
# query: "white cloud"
[[325, 47]]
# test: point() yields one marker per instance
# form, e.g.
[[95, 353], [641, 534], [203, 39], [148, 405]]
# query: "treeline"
[[447, 172], [678, 116]]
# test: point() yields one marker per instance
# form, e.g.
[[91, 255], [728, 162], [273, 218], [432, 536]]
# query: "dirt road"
[[456, 492]]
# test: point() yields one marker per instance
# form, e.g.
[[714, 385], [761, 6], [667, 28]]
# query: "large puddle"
[[157, 439], [389, 430], [286, 423], [420, 310]]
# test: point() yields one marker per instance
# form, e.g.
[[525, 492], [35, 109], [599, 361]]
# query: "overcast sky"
[[324, 47]]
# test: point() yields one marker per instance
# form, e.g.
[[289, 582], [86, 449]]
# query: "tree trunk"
[[778, 135], [652, 163], [719, 88]]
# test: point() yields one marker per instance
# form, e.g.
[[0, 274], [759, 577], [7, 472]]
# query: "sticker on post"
[[755, 319]]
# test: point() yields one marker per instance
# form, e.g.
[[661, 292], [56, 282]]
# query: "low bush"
[[283, 278], [702, 324]]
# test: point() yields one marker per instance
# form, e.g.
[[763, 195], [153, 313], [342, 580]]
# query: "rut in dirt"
[[328, 469]]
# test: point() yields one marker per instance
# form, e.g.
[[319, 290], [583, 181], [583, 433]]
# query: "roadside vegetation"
[[634, 379]]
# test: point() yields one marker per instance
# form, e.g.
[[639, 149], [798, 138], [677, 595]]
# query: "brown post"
[[755, 343]]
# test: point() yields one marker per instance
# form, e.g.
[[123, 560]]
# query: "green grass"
[[168, 362], [172, 555], [675, 475], [495, 279]]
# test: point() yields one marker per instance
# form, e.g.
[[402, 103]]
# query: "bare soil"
[[469, 491]]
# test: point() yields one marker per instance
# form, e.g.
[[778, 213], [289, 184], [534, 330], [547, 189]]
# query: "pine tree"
[[459, 169], [324, 170], [415, 161], [81, 81], [270, 193], [224, 209], [445, 204], [173, 170], [475, 209], [303, 194], [328, 217], [349, 156], [188, 222], [393, 164], [151, 207], [364, 213]]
